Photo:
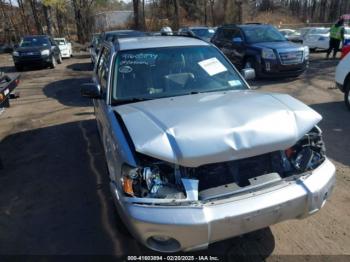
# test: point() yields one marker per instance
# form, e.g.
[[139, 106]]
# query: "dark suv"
[[262, 47], [36, 50]]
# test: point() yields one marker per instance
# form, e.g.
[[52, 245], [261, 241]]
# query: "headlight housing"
[[151, 180], [306, 52], [45, 52], [268, 53], [15, 53]]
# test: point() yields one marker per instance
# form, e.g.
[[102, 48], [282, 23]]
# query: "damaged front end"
[[156, 181]]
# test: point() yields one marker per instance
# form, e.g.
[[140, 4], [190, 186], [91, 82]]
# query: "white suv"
[[342, 78]]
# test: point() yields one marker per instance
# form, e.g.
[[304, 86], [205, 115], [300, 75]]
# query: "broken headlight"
[[308, 153], [153, 181]]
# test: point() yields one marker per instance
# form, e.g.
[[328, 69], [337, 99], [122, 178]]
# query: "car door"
[[101, 80], [232, 45], [217, 38], [103, 111]]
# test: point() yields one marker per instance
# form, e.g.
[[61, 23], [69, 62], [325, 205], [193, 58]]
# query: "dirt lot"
[[54, 196]]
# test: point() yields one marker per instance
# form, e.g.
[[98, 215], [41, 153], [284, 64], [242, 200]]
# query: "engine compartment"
[[162, 180]]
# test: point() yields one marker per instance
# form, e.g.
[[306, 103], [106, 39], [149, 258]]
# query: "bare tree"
[[83, 19], [136, 7], [176, 14], [38, 26], [47, 15], [23, 16]]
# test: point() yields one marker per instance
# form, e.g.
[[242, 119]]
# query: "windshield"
[[303, 31], [60, 42], [258, 34], [164, 72], [34, 41], [319, 31], [203, 32]]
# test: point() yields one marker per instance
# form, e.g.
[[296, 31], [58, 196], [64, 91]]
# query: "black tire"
[[347, 95], [19, 68], [59, 60], [53, 62]]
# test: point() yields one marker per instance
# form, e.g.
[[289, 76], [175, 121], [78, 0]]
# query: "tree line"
[[75, 18]]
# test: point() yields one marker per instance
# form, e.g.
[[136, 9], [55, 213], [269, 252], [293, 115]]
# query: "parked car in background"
[[194, 156], [8, 83], [342, 78], [291, 35], [36, 50], [317, 38], [6, 48], [203, 32], [166, 30], [112, 35], [262, 47], [65, 47], [93, 48]]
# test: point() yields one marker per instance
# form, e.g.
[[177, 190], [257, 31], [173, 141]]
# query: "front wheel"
[[59, 60], [19, 68], [347, 96], [53, 62]]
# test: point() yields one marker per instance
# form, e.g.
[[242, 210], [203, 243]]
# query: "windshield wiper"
[[129, 100]]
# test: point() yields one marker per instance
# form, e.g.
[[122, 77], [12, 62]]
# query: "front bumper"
[[65, 53], [31, 60], [196, 226], [274, 68]]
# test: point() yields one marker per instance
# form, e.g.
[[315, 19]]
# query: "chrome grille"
[[291, 57]]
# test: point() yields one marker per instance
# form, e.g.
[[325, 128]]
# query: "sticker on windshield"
[[138, 59], [234, 83], [125, 69], [212, 66]]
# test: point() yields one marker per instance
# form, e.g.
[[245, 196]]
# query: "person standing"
[[336, 37]]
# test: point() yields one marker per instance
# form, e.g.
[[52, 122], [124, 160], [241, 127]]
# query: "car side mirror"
[[237, 40], [248, 73], [90, 90]]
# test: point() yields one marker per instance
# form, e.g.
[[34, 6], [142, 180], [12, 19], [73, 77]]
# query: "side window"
[[218, 34], [229, 34], [103, 69]]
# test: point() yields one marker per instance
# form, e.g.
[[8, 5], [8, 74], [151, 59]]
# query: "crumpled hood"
[[208, 128]]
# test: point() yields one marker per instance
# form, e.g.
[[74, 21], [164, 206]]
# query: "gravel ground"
[[54, 196]]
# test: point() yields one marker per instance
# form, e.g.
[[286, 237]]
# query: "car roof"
[[158, 41], [253, 25], [198, 27], [43, 36]]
